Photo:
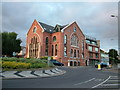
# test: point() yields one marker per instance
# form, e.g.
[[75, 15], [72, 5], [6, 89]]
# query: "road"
[[75, 77]]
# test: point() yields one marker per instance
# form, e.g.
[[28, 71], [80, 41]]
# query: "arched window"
[[74, 29], [65, 51], [46, 40], [74, 40], [82, 45], [54, 38], [46, 50], [56, 50], [52, 50], [71, 52], [33, 48], [74, 53], [78, 54], [34, 40], [65, 39], [34, 29]]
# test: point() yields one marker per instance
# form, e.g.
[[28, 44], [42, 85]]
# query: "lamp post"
[[114, 16]]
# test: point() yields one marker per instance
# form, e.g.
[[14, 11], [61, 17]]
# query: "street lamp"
[[114, 16]]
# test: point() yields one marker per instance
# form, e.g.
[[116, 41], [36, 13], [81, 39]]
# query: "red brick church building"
[[66, 43]]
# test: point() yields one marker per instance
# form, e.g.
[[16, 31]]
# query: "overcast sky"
[[92, 17]]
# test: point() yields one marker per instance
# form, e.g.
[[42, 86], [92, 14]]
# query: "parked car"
[[55, 62], [101, 64]]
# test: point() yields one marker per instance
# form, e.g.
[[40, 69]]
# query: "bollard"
[[99, 67]]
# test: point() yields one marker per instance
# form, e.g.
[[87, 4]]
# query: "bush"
[[15, 65], [39, 65], [9, 59], [23, 63], [44, 57]]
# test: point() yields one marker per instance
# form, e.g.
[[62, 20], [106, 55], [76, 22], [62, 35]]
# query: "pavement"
[[31, 74]]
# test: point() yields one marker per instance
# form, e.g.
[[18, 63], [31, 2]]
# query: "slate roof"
[[61, 27], [49, 28]]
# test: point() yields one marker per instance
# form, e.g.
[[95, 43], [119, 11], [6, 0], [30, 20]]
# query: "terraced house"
[[65, 43]]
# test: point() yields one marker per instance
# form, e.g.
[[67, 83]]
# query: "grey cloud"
[[93, 18]]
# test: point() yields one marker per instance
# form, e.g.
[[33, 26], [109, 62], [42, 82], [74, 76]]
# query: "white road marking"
[[102, 82], [99, 80], [27, 74], [10, 74], [85, 81], [110, 84], [114, 76]]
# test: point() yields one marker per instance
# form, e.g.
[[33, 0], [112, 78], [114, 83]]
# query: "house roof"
[[47, 28], [61, 27]]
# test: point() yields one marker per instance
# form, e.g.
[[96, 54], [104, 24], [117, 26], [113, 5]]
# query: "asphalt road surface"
[[75, 77]]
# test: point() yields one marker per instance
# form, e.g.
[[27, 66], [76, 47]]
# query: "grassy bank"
[[23, 63]]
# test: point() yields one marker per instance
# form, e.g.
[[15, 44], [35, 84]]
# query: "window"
[[96, 49], [74, 29], [97, 56], [78, 54], [52, 50], [77, 42], [82, 45], [34, 29], [34, 40], [91, 55], [86, 46], [46, 40], [82, 55], [94, 43], [33, 48], [90, 48], [71, 52], [65, 51], [46, 50], [65, 39], [74, 40], [57, 29], [54, 38], [74, 53], [88, 41], [56, 50]]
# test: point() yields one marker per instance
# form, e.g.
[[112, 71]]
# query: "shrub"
[[44, 57], [38, 65], [9, 59], [15, 65]]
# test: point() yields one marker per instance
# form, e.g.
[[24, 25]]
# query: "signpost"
[[49, 58], [14, 54]]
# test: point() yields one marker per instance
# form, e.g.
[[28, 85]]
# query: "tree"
[[113, 56], [10, 43]]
